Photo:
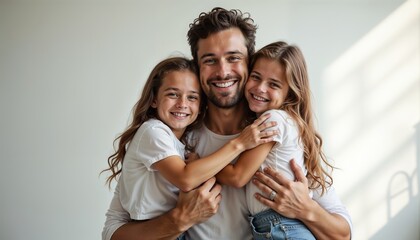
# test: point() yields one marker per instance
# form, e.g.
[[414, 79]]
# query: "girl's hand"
[[257, 133]]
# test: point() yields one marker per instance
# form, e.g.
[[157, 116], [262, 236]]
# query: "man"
[[221, 42]]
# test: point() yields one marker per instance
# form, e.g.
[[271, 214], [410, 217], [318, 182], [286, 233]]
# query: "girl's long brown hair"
[[142, 111], [298, 105]]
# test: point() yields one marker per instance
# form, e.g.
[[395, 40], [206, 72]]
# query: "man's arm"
[[293, 201], [193, 207]]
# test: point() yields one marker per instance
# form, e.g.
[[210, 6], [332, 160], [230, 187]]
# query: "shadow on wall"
[[371, 107], [403, 219]]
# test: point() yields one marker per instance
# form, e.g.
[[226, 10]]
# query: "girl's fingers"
[[266, 125], [269, 133], [261, 119]]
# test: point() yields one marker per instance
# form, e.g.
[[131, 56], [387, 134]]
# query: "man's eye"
[[234, 59], [209, 61]]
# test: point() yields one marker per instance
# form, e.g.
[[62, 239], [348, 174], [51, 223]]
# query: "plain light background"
[[70, 72]]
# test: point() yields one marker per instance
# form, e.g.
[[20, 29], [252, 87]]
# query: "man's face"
[[223, 62]]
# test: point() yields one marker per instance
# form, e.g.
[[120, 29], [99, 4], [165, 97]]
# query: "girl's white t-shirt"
[[144, 192], [288, 146]]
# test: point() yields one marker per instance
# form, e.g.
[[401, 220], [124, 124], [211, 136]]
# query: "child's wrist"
[[237, 145]]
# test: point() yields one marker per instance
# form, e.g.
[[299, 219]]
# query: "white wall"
[[70, 71]]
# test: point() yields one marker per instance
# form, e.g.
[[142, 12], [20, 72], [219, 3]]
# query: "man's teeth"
[[224, 84]]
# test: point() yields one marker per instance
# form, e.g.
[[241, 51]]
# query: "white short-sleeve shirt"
[[144, 192], [230, 222], [288, 146]]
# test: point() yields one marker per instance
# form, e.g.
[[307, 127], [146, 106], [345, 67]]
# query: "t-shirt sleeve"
[[156, 143], [116, 216], [281, 119], [332, 204]]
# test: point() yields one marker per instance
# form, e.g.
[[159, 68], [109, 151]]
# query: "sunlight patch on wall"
[[371, 110]]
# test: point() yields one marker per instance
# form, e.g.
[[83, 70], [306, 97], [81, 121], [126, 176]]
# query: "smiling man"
[[221, 43]]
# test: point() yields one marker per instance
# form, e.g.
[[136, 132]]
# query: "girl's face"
[[266, 87], [178, 100]]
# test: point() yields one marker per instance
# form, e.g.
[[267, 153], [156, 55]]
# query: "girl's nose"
[[261, 87], [181, 103]]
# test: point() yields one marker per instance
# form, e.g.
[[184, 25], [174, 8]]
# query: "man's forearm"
[[193, 207], [325, 225], [167, 226]]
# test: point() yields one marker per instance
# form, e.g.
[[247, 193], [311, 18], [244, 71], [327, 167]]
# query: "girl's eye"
[[172, 95], [274, 85], [193, 98], [255, 77]]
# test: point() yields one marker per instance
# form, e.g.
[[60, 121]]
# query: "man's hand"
[[292, 197], [200, 204]]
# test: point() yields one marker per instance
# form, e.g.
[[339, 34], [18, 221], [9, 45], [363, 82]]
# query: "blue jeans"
[[271, 225], [181, 237]]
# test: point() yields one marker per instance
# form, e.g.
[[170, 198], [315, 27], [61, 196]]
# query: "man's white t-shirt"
[[230, 221]]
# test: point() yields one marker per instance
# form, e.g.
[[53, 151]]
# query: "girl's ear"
[[154, 103]]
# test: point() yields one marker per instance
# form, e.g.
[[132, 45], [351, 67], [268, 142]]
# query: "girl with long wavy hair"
[[278, 84]]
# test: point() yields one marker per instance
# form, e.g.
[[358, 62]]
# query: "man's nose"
[[223, 69]]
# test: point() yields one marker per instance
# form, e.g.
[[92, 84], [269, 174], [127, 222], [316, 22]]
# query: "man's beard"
[[224, 102]]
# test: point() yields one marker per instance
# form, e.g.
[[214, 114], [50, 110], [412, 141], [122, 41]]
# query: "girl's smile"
[[267, 86], [178, 100]]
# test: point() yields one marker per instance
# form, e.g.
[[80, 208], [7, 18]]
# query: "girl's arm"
[[189, 176], [240, 173]]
